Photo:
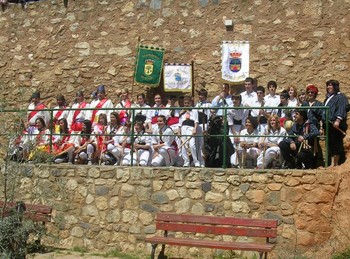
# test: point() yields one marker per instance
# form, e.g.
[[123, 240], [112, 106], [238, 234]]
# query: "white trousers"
[[141, 158], [166, 156], [272, 153]]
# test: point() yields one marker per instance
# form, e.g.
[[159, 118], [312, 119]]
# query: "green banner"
[[149, 64]]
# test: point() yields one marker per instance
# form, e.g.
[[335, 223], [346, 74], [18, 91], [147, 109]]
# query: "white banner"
[[235, 61], [177, 77]]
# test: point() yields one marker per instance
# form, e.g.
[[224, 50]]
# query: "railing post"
[[224, 137]]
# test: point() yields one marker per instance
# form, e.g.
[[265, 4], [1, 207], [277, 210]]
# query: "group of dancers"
[[264, 131]]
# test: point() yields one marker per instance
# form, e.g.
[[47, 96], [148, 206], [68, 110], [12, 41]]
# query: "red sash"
[[39, 136], [172, 121], [58, 114], [76, 112], [99, 105], [39, 107]]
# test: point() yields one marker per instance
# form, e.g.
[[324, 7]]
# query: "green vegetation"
[[342, 255]]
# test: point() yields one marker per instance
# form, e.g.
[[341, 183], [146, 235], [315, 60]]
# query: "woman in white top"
[[123, 106], [247, 153], [113, 150], [293, 97], [268, 144], [142, 147]]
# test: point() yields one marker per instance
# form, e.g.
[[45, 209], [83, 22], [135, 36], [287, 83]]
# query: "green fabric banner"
[[149, 64]]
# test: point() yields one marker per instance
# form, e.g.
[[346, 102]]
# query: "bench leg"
[[263, 255], [161, 254], [154, 246]]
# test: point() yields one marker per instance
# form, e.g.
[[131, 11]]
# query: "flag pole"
[[192, 71], [133, 78]]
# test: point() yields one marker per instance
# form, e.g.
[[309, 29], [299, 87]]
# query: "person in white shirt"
[[59, 112], [189, 131], [155, 112], [141, 145], [102, 102], [222, 100], [236, 119], [270, 150], [248, 151], [163, 144], [140, 114], [257, 113], [272, 99], [293, 97], [77, 116], [36, 109], [249, 96], [123, 105]]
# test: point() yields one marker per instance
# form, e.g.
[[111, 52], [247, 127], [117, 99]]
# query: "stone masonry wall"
[[56, 50], [101, 208]]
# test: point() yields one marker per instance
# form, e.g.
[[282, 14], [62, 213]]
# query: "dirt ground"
[[67, 255]]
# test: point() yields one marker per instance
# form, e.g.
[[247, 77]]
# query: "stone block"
[[183, 206], [213, 197], [305, 238], [221, 187], [256, 196], [244, 187], [172, 194], [206, 186], [197, 209], [195, 194], [319, 195], [160, 198]]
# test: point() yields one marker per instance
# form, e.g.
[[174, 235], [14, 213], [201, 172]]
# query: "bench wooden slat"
[[264, 223], [217, 230], [41, 213], [210, 244]]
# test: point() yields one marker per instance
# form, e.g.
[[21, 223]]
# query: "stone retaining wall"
[[102, 208]]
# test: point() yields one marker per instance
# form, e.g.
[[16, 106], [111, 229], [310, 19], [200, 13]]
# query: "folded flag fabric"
[[177, 77], [235, 60], [149, 63]]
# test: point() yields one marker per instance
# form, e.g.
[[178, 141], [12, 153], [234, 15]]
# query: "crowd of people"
[[247, 130]]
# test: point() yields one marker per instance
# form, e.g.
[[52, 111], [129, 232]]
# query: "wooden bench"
[[36, 213], [260, 228]]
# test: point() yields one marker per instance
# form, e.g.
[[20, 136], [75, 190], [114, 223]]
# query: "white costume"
[[142, 156], [218, 101], [76, 117], [167, 153], [187, 120], [37, 111], [114, 149], [251, 154], [248, 99], [272, 101], [272, 152], [94, 114]]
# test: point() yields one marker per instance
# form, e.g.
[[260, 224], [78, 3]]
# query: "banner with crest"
[[149, 63], [235, 60], [177, 77]]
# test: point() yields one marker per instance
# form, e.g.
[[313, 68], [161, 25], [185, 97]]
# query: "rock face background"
[[55, 50]]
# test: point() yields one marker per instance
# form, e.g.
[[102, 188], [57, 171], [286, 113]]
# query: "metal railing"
[[131, 112]]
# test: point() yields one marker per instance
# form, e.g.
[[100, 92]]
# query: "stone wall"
[[58, 50], [101, 208]]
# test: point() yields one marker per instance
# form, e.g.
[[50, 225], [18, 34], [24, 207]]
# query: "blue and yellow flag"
[[149, 64]]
